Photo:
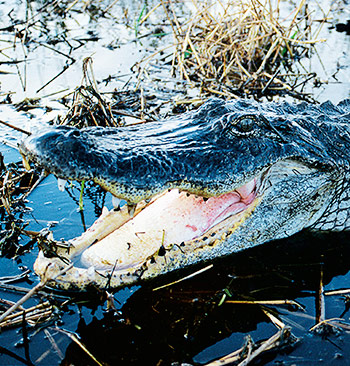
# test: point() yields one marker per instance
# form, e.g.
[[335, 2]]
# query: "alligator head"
[[226, 177]]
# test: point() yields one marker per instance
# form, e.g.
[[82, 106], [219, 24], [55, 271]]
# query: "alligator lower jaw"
[[117, 248]]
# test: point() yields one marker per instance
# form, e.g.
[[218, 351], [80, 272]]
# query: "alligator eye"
[[243, 125]]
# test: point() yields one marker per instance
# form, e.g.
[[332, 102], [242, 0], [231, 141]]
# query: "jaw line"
[[176, 256], [109, 221], [174, 218]]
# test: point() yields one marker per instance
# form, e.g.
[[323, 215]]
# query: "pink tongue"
[[174, 217], [185, 217], [247, 189]]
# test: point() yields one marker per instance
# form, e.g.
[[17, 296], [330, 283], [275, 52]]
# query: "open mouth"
[[211, 183], [121, 242], [176, 228], [171, 218]]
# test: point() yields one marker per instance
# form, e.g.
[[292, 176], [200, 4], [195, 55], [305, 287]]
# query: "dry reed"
[[241, 47]]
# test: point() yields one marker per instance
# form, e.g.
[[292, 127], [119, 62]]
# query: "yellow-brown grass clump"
[[240, 47]]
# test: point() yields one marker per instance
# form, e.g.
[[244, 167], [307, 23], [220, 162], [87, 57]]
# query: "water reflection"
[[182, 323], [185, 322]]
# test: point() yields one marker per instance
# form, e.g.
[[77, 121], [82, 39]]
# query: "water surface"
[[182, 323]]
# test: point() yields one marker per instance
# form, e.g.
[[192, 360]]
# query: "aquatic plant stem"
[[81, 204], [15, 128], [76, 340], [185, 278], [27, 296]]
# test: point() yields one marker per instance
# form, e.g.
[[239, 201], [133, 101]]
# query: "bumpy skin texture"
[[211, 151], [207, 148]]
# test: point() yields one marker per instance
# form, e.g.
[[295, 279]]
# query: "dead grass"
[[90, 107], [15, 184], [241, 47]]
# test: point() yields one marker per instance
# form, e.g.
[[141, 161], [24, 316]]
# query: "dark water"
[[185, 322]]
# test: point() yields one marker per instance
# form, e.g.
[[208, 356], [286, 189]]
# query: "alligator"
[[226, 177]]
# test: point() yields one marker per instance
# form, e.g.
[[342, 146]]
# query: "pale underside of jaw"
[[172, 219]]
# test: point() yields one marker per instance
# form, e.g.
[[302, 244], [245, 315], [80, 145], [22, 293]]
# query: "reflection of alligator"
[[185, 324], [229, 176]]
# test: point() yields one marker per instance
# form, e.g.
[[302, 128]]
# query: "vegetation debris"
[[15, 184], [251, 350], [246, 47]]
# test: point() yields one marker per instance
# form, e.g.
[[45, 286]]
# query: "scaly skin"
[[297, 155]]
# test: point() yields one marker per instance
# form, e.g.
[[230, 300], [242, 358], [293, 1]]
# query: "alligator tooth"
[[104, 211], [61, 184], [131, 209], [116, 202], [91, 271], [25, 162]]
